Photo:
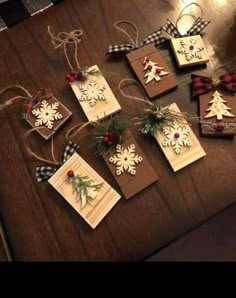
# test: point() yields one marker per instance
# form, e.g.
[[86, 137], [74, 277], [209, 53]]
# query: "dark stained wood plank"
[[213, 241], [40, 225]]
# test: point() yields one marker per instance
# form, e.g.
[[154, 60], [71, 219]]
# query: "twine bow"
[[45, 172], [27, 106], [202, 84], [155, 37]]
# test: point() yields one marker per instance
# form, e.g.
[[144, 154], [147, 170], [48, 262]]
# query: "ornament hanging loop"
[[74, 130], [132, 81], [63, 39], [12, 100], [31, 153], [182, 14], [134, 27]]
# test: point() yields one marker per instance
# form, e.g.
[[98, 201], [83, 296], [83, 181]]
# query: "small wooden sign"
[[179, 143], [49, 113], [95, 96], [218, 113], [97, 208], [189, 50], [130, 168], [151, 70]]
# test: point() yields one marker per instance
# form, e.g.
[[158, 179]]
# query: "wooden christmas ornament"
[[41, 111], [146, 62], [78, 183], [177, 140], [88, 83], [152, 71], [217, 105], [123, 156], [188, 48], [169, 127]]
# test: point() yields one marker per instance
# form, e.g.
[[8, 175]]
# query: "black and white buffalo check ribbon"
[[45, 172], [195, 29], [13, 11], [154, 37]]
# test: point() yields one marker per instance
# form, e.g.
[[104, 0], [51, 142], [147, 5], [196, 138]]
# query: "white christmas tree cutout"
[[92, 92], [46, 114], [126, 159], [218, 108], [190, 49], [153, 71], [176, 136]]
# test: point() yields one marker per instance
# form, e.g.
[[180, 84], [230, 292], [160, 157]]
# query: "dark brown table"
[[38, 222]]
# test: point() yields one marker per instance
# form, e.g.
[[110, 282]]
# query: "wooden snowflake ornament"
[[95, 96], [92, 92], [126, 159], [48, 113], [189, 50], [178, 142]]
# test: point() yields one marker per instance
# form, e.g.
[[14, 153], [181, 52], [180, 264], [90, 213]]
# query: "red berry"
[[115, 136], [158, 70], [147, 60], [70, 174], [149, 67], [176, 135], [106, 133], [109, 143], [73, 73], [191, 47], [105, 139], [220, 125], [67, 76]]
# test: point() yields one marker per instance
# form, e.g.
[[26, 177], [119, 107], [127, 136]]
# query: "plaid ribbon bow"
[[42, 94], [45, 172], [154, 37], [202, 84], [195, 29]]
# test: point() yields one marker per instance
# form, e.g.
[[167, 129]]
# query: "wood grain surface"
[[39, 223]]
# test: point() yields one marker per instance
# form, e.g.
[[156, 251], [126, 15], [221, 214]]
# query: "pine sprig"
[[81, 184], [115, 126], [155, 119]]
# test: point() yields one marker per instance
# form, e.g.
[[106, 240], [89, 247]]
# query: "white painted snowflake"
[[125, 159], [153, 71], [190, 49], [92, 92], [46, 114], [176, 136]]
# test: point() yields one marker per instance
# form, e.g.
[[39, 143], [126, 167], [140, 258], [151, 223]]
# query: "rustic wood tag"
[[217, 104], [144, 176], [156, 78], [179, 143], [189, 50], [95, 96], [96, 209], [49, 113]]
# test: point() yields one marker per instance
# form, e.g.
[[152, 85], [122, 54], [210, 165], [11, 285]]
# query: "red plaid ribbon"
[[202, 84], [42, 94]]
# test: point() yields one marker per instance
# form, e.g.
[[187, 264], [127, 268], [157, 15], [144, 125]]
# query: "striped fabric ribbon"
[[13, 11]]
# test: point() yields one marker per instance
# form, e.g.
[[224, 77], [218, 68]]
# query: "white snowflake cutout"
[[92, 92], [153, 71], [46, 114], [190, 49], [126, 159], [176, 136]]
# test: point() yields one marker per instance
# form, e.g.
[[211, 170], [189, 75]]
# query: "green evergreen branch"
[[101, 126]]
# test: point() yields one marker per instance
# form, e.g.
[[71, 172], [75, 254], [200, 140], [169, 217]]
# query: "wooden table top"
[[38, 222]]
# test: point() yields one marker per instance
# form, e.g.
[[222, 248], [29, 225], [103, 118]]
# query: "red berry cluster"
[[71, 76], [106, 139]]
